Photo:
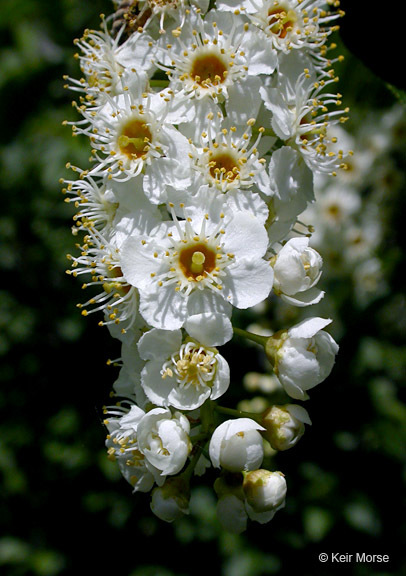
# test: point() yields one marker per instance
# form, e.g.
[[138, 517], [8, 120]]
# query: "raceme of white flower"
[[207, 124]]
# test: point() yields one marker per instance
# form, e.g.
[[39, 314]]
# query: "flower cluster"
[[207, 123]]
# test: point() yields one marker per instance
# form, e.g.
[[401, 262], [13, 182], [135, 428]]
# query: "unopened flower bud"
[[297, 270], [265, 491], [237, 445], [284, 425], [171, 501], [302, 356]]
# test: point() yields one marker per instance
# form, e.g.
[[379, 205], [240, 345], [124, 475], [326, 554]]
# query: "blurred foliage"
[[63, 505]]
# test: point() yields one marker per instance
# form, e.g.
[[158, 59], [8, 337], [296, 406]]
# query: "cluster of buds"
[[207, 123]]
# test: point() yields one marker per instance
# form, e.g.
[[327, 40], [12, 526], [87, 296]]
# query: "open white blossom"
[[105, 62], [130, 131], [214, 60], [181, 374], [199, 264], [291, 24], [301, 116]]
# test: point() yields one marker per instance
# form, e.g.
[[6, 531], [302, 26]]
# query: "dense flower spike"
[[208, 123]]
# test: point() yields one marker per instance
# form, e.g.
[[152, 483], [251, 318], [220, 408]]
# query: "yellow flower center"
[[223, 166], [281, 20], [208, 70], [197, 261], [134, 138]]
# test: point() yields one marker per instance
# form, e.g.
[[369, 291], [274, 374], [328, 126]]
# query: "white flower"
[[105, 205], [214, 60], [297, 24], [151, 13], [199, 265], [259, 496], [171, 501], [337, 204], [96, 201], [182, 375], [227, 159], [284, 425], [163, 438], [297, 270], [291, 185], [237, 445], [302, 356], [118, 300], [122, 446], [301, 115], [265, 491], [108, 63], [130, 132], [231, 513]]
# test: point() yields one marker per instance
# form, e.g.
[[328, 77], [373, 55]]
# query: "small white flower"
[[105, 204], [284, 425], [171, 501], [154, 12], [163, 438], [122, 447], [214, 60], [297, 270], [291, 24], [97, 203], [237, 445], [200, 264], [337, 205], [118, 300], [301, 116], [106, 62], [130, 132], [182, 375], [265, 491], [302, 356], [228, 160]]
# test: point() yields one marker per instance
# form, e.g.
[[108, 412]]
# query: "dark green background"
[[64, 509]]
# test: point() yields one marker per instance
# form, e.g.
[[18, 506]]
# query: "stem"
[[250, 336], [159, 83], [238, 413], [188, 472]]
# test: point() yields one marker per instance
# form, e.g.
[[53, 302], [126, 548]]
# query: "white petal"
[[302, 299], [221, 380], [244, 100], [159, 344], [245, 236], [164, 308], [299, 413], [155, 387], [137, 261], [248, 283], [188, 398], [249, 201], [209, 328], [308, 328]]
